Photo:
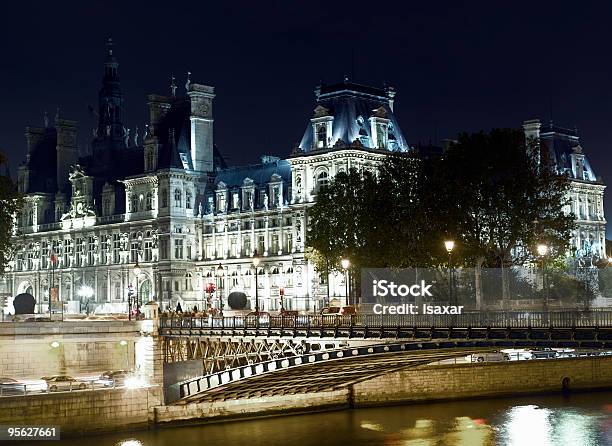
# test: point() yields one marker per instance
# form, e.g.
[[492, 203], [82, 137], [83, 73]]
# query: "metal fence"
[[505, 319]]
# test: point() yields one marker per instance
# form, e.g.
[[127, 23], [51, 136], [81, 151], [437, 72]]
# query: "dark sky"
[[457, 66]]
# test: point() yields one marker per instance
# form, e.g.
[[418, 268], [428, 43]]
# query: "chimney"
[[33, 136], [67, 150], [201, 135]]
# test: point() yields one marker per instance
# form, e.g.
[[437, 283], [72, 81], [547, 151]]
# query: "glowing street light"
[[542, 252], [256, 262], [345, 266], [450, 245]]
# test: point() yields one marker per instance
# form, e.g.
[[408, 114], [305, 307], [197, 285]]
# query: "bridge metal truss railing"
[[222, 353], [505, 319]]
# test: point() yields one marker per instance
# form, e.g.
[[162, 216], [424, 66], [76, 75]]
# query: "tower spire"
[[110, 104]]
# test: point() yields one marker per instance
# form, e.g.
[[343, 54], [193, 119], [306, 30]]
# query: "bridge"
[[243, 356]]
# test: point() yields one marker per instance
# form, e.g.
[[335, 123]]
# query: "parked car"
[[546, 353], [64, 382], [338, 311], [10, 386], [113, 378], [489, 357]]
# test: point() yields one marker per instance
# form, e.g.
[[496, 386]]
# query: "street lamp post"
[[256, 261], [137, 274], [450, 245], [542, 251], [86, 292], [220, 272], [345, 266]]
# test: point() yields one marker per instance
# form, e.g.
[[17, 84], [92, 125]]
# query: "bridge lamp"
[[137, 272], [609, 260], [219, 274], [345, 266], [542, 251], [450, 245], [256, 262]]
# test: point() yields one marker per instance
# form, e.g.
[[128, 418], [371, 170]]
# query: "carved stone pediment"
[[320, 112]]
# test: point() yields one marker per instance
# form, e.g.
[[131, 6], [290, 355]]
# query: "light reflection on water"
[[576, 420]]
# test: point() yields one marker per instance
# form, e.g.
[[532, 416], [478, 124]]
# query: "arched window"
[[188, 199], [322, 179], [177, 197], [149, 202], [188, 282]]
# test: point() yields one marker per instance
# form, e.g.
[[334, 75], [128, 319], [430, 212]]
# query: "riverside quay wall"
[[83, 412], [426, 383], [35, 349]]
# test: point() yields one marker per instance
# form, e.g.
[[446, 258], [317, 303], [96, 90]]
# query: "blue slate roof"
[[351, 106], [561, 144], [259, 173]]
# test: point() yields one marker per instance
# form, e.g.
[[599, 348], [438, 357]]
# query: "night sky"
[[457, 66]]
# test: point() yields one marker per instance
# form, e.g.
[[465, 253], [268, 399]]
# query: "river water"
[[575, 420]]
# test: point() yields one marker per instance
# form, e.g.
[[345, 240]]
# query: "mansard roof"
[[561, 144], [260, 174], [352, 105]]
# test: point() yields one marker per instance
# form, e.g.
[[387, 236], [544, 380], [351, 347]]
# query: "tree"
[[10, 204], [499, 200]]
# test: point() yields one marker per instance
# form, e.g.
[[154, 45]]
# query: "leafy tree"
[[499, 201], [10, 203]]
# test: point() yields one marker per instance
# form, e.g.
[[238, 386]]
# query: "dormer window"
[[379, 128], [188, 199], [321, 130], [381, 135]]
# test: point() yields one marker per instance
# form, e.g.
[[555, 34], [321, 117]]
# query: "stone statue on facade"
[[126, 136], [136, 136], [265, 200]]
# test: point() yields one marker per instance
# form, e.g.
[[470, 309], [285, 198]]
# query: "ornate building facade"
[[168, 203], [586, 189]]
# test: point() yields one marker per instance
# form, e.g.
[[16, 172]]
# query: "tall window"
[[322, 179], [44, 254], [221, 202], [177, 198], [91, 250], [148, 251], [116, 248], [235, 204], [103, 249], [178, 249], [134, 252], [107, 206], [163, 249], [381, 135], [188, 199], [164, 198], [134, 203], [188, 252], [188, 282], [321, 135], [149, 202], [79, 251]]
